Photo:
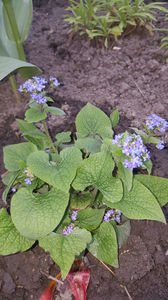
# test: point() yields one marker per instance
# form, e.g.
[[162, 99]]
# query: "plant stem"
[[48, 136], [15, 88], [14, 28]]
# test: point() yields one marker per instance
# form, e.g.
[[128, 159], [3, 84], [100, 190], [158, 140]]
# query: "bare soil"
[[131, 76]]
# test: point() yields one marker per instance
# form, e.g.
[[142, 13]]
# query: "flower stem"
[[15, 88], [48, 136]]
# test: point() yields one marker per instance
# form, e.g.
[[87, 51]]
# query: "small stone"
[[8, 284], [153, 65], [124, 87]]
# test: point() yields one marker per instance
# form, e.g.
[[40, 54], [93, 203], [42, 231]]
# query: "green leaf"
[[34, 115], [9, 180], [114, 117], [63, 249], [36, 215], [157, 185], [22, 11], [90, 218], [13, 154], [7, 47], [139, 203], [126, 176], [91, 120], [59, 175], [122, 232], [10, 239], [89, 145], [10, 64], [63, 137], [104, 245], [97, 171], [33, 134], [54, 110], [80, 200], [148, 165]]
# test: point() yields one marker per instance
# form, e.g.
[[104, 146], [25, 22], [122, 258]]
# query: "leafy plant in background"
[[79, 195], [106, 18], [15, 21]]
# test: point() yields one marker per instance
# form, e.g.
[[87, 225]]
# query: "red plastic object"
[[49, 291], [79, 282]]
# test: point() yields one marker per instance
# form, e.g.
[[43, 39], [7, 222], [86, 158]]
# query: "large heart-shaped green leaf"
[[92, 120], [90, 218], [59, 175], [63, 249], [97, 170], [139, 203], [22, 11], [36, 215], [10, 64], [157, 185], [104, 245], [13, 154], [11, 241]]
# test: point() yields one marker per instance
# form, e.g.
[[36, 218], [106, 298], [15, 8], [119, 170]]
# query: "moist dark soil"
[[131, 75]]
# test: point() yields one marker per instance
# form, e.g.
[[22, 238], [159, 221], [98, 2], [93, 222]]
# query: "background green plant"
[[15, 21], [110, 18]]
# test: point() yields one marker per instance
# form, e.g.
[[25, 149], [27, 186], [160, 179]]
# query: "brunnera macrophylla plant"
[[79, 195]]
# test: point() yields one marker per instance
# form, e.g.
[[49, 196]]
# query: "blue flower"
[[36, 84], [39, 98], [28, 181], [68, 230], [54, 81], [112, 215], [160, 146], [133, 148], [155, 122], [74, 215]]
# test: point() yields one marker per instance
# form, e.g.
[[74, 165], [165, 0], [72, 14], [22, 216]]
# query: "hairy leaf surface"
[[60, 175], [139, 203], [91, 120], [97, 170], [36, 215], [11, 241], [64, 248], [15, 153], [157, 185], [104, 245]]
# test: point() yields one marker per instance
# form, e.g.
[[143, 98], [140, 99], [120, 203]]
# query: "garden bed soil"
[[131, 76]]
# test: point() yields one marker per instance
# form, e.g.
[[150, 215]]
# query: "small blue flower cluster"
[[112, 215], [13, 190], [155, 122], [133, 147], [35, 86], [29, 175], [54, 81], [71, 226], [74, 215], [68, 230]]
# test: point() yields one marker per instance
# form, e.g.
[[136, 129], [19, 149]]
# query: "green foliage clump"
[[77, 195], [110, 18]]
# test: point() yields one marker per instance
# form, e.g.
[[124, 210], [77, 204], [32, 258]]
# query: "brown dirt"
[[132, 78]]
